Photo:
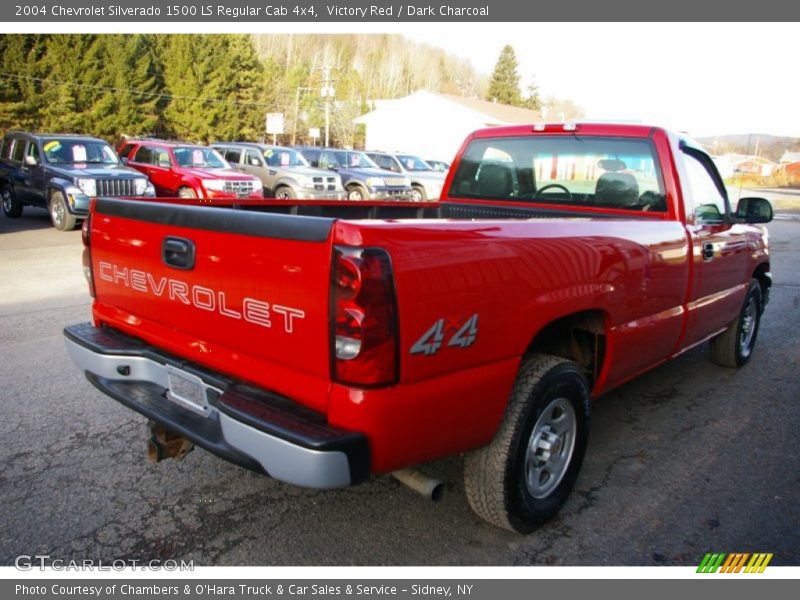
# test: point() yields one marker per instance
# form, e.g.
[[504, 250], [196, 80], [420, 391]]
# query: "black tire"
[[516, 482], [284, 192], [418, 194], [356, 192], [734, 346], [11, 206], [186, 192], [60, 216]]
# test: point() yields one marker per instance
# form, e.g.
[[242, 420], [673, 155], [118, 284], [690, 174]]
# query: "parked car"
[[426, 183], [438, 165], [565, 261], [189, 171], [361, 177], [62, 173], [284, 173]]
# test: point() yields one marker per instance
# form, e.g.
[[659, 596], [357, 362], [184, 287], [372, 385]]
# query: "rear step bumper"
[[245, 425]]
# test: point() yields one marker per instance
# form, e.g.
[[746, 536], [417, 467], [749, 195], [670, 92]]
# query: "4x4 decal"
[[432, 340]]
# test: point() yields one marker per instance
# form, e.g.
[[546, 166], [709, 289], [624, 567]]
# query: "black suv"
[[62, 173]]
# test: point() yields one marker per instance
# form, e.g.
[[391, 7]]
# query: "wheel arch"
[[355, 183], [58, 185], [763, 275], [287, 182], [581, 337]]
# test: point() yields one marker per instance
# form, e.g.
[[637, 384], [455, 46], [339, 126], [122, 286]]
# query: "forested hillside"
[[206, 87]]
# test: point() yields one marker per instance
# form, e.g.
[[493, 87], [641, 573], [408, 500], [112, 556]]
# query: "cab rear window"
[[619, 173]]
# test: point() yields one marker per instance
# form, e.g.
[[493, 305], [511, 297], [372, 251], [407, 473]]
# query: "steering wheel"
[[555, 185]]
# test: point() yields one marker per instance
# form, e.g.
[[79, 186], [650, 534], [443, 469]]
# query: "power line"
[[132, 92]]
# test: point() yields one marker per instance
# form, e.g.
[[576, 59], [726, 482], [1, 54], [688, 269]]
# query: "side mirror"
[[754, 210], [31, 161], [124, 160]]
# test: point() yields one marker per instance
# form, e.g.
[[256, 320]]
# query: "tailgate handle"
[[178, 253]]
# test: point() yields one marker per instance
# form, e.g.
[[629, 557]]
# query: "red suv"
[[189, 171]]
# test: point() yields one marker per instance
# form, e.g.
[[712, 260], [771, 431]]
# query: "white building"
[[434, 125]]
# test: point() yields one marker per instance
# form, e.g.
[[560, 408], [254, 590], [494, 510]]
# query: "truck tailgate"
[[242, 292]]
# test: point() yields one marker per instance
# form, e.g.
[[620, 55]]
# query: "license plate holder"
[[187, 390]]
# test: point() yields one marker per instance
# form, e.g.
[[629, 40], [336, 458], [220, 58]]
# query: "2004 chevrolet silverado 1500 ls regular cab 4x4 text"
[[321, 342]]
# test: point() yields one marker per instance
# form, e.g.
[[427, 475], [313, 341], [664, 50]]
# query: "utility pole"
[[328, 93]]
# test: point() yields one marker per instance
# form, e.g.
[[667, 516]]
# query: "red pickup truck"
[[323, 342]]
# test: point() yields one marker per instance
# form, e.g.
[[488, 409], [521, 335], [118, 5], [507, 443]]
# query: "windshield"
[[197, 156], [60, 152], [413, 163], [581, 171], [354, 160], [284, 157]]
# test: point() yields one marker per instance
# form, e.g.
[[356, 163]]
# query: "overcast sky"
[[705, 79]]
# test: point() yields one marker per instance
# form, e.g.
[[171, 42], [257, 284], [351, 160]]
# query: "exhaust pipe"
[[163, 444], [431, 488]]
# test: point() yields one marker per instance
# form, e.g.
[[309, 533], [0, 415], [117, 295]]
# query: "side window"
[[144, 155], [5, 148], [161, 158], [232, 155], [708, 203], [125, 150], [33, 151], [386, 162], [252, 158], [19, 151]]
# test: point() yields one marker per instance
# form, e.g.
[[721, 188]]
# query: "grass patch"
[[777, 180]]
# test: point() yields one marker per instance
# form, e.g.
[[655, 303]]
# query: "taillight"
[[364, 338], [86, 229]]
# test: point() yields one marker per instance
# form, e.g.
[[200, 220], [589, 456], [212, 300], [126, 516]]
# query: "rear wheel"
[[11, 206], [186, 192], [521, 479], [734, 346], [60, 216]]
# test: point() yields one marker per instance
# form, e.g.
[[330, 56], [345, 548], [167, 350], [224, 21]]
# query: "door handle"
[[178, 253], [708, 251]]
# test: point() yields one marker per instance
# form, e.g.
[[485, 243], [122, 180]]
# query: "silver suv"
[[426, 183], [284, 172]]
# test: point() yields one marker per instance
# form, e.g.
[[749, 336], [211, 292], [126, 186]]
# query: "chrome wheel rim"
[[550, 448], [57, 213], [416, 195], [283, 195], [747, 328], [7, 200], [354, 195]]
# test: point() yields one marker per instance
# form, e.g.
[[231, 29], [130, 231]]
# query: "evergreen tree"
[[69, 62], [20, 88], [129, 101], [186, 66], [504, 84], [244, 93], [532, 100]]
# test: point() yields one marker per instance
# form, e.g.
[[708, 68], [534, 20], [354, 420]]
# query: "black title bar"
[[382, 11]]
